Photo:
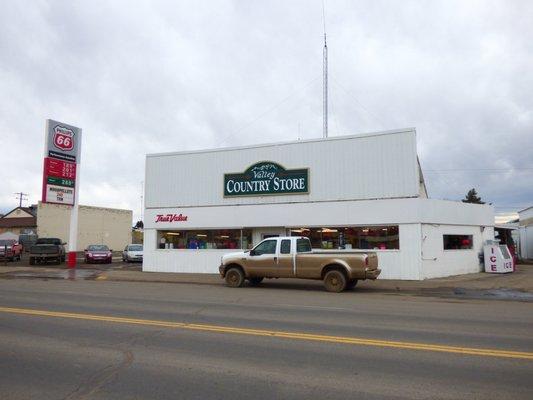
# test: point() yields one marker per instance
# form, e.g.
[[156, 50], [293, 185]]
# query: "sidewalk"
[[519, 281]]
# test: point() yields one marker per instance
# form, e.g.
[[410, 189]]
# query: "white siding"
[[526, 242], [403, 263], [370, 166], [437, 262], [341, 213]]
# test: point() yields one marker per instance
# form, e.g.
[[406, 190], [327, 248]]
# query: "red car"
[[98, 253], [10, 249]]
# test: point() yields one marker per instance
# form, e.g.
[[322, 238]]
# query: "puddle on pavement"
[[68, 274], [497, 294]]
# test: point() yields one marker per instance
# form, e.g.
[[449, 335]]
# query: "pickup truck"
[[47, 249], [293, 257], [10, 250]]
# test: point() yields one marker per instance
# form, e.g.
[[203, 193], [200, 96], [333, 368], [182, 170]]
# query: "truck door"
[[263, 259], [285, 262]]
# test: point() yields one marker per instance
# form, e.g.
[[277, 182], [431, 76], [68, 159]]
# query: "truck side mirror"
[[253, 253]]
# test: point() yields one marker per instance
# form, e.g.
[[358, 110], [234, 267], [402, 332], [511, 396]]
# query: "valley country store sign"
[[266, 178]]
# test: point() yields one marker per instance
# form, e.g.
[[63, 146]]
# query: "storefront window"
[[357, 237], [457, 242], [206, 239]]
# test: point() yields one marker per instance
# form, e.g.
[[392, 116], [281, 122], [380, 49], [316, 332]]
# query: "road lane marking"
[[277, 334]]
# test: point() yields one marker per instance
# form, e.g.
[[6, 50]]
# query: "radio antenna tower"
[[325, 74]]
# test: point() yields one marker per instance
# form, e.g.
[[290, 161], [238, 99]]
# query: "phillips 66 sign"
[[63, 138], [61, 154]]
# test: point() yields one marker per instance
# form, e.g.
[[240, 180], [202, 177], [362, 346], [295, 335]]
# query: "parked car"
[[133, 252], [292, 257], [47, 249], [10, 249], [98, 253]]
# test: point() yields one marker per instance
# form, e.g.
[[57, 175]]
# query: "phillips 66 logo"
[[63, 138]]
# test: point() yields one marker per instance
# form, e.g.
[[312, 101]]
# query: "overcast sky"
[[153, 76]]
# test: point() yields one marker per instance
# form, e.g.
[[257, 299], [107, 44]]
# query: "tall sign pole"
[[325, 74], [61, 174], [325, 88]]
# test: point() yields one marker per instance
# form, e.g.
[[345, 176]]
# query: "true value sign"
[[266, 178]]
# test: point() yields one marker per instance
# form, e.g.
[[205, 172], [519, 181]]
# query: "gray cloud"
[[147, 76]]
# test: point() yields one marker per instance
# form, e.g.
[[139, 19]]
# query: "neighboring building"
[[525, 222], [21, 220], [364, 192], [96, 225]]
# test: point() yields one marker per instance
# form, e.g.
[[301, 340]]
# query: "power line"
[[268, 111], [352, 96], [483, 170]]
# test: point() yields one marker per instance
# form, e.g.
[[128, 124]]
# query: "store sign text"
[[266, 178], [170, 218]]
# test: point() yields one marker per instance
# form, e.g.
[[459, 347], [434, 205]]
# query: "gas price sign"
[[62, 152]]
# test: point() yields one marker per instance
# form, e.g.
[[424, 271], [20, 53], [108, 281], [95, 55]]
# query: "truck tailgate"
[[372, 261]]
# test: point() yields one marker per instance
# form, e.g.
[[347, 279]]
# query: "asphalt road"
[[121, 340]]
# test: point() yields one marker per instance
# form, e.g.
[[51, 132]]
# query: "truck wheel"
[[335, 281], [32, 260], [351, 284], [234, 277], [256, 281]]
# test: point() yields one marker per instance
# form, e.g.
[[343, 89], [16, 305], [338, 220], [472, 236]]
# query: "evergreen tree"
[[472, 197]]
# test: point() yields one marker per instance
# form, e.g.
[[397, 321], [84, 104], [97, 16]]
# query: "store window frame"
[[368, 235], [455, 238], [206, 239]]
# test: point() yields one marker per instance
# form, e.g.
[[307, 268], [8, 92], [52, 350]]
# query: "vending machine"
[[498, 258]]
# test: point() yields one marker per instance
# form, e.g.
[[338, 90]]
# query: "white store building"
[[363, 192]]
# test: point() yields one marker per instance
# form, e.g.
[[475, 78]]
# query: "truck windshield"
[[303, 245]]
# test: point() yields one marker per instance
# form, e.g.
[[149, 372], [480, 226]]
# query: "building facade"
[[525, 223], [21, 220], [364, 192], [96, 225]]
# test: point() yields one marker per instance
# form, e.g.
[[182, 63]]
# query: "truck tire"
[[234, 277], [32, 260], [335, 281], [351, 284], [256, 281]]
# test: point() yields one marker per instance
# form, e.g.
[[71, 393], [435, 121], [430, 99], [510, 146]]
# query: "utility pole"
[[21, 197]]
